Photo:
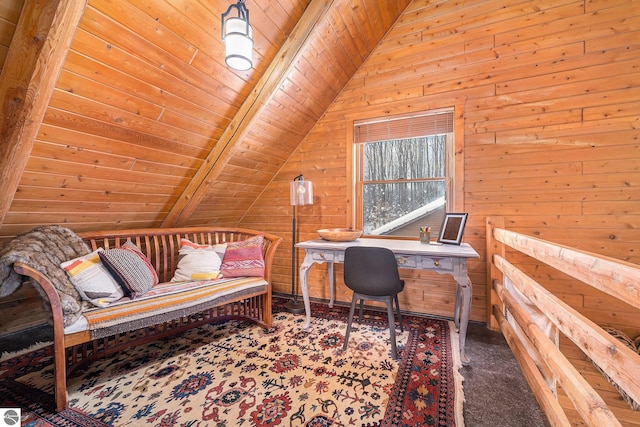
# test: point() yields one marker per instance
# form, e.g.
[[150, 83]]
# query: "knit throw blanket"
[[44, 249]]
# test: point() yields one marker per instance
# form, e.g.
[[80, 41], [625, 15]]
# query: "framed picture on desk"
[[452, 228]]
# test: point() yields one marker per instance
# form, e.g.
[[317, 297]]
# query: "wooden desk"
[[443, 259]]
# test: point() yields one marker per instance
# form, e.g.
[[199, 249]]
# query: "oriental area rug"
[[238, 374]]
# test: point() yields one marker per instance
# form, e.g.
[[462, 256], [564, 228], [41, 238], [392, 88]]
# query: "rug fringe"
[[459, 379], [10, 355]]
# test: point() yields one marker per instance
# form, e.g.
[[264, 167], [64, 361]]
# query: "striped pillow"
[[244, 258], [92, 280], [198, 262]]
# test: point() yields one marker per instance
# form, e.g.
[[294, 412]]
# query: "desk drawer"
[[445, 264], [407, 261], [326, 256]]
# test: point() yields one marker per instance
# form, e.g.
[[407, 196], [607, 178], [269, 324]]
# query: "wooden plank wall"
[[547, 93]]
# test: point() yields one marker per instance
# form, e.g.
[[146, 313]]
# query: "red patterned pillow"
[[244, 258]]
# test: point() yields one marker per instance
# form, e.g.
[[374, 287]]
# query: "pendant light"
[[237, 36]]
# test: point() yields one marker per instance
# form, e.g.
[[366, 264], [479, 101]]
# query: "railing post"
[[493, 247]]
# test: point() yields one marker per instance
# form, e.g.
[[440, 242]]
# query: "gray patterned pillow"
[[131, 269]]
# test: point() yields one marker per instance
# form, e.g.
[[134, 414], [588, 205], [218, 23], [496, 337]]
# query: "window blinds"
[[400, 127]]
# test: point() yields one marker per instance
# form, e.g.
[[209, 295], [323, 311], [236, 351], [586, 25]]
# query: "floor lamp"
[[301, 193]]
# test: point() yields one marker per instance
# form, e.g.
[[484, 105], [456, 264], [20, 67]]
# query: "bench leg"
[[60, 375]]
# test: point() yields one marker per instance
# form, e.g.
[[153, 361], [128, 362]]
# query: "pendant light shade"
[[237, 36]]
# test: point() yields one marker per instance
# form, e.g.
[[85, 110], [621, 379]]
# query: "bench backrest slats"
[[161, 245]]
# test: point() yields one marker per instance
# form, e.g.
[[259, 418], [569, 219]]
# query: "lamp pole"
[[301, 194]]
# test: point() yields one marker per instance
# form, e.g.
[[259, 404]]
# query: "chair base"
[[388, 300]]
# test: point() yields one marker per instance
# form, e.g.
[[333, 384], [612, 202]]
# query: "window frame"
[[454, 183]]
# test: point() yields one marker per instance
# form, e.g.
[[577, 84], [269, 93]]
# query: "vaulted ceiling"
[[122, 113]]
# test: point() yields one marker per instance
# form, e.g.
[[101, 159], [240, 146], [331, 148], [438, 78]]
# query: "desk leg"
[[463, 304], [332, 285], [456, 310], [304, 287]]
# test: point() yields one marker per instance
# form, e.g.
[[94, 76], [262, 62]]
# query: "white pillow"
[[92, 280], [199, 262]]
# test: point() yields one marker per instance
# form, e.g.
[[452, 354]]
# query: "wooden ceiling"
[[122, 113]]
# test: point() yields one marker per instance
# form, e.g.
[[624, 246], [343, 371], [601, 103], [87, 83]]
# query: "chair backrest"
[[371, 271]]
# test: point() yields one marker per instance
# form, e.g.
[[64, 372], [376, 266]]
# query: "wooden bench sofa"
[[246, 298]]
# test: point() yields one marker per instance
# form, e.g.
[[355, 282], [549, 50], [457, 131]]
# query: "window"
[[403, 172]]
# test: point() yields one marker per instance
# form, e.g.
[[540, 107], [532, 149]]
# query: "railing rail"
[[531, 319]]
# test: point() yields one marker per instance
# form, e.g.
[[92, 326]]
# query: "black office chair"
[[372, 274]]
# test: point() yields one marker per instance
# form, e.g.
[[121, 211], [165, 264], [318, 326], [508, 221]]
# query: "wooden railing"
[[531, 318]]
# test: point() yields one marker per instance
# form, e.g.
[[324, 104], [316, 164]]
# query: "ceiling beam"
[[271, 80], [36, 55]]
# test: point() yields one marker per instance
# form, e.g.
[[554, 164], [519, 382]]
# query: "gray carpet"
[[496, 392]]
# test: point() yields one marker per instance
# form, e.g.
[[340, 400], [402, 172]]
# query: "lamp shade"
[[301, 192], [238, 44]]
